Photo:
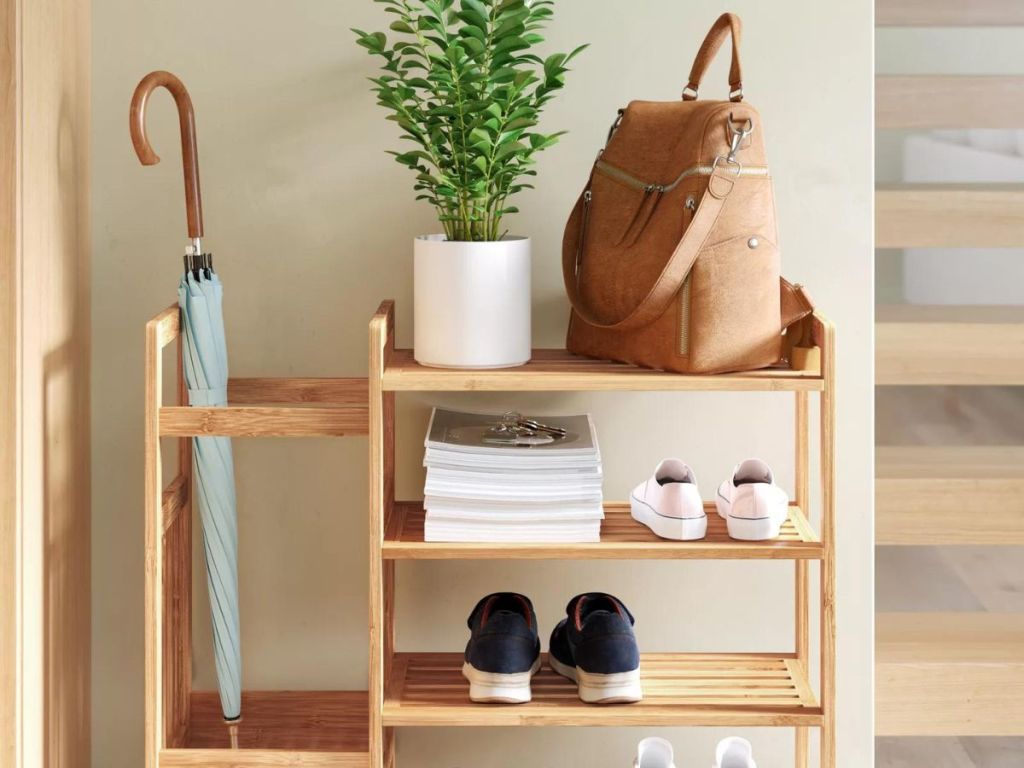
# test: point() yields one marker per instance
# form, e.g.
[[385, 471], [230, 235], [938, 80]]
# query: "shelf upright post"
[[382, 499], [179, 576], [802, 601], [168, 559], [828, 538], [154, 736]]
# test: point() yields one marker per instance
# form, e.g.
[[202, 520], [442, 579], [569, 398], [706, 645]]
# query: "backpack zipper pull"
[[588, 196], [690, 208]]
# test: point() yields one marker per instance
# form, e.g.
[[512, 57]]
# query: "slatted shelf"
[[949, 101], [930, 345], [949, 216], [622, 538], [551, 370], [933, 495], [679, 689], [326, 728], [952, 674]]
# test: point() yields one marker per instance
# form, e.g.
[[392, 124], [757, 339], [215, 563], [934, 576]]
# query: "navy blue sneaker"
[[503, 652], [595, 647]]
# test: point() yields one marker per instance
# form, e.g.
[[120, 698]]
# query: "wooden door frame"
[[44, 383], [8, 387]]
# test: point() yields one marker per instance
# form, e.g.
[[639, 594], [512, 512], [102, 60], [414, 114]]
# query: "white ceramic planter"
[[471, 303]]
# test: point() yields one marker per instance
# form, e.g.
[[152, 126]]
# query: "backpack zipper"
[[690, 205], [684, 303], [650, 189], [697, 170], [588, 197]]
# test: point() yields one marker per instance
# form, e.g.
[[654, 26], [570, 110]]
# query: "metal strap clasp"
[[739, 135]]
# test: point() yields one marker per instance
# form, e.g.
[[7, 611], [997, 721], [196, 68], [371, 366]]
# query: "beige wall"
[[312, 225]]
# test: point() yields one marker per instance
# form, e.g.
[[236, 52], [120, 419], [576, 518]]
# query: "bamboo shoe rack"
[[348, 729]]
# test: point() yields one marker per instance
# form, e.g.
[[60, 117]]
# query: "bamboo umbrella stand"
[[185, 727]]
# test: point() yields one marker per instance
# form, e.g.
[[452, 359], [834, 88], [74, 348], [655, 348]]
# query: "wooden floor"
[[949, 579], [948, 753]]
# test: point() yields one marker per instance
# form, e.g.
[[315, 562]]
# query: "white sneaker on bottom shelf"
[[654, 753], [753, 506], [734, 752], [669, 503]]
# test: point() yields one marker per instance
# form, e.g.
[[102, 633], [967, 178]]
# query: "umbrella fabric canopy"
[[205, 359]]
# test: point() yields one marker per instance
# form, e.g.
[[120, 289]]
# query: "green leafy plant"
[[463, 84]]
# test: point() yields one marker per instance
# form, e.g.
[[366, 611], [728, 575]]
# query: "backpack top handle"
[[727, 24]]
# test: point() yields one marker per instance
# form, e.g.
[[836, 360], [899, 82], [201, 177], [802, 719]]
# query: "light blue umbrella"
[[205, 359], [205, 362]]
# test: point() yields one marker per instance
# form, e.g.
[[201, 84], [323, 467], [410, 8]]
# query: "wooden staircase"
[[950, 674], [943, 674]]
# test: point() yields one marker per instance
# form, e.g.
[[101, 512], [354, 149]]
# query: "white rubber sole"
[[753, 529], [497, 688], [674, 528], [766, 510], [594, 688]]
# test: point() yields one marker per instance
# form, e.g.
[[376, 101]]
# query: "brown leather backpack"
[[671, 256]]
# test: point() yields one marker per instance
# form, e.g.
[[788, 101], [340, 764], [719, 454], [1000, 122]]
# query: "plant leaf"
[[463, 83]]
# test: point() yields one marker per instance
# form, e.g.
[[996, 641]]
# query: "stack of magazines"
[[508, 478]]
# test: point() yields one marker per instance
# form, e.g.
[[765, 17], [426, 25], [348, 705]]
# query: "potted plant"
[[465, 87]]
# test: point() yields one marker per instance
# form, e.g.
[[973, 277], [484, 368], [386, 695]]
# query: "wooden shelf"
[[287, 728], [622, 538], [932, 495], [679, 689], [555, 370], [960, 345], [949, 674], [949, 215]]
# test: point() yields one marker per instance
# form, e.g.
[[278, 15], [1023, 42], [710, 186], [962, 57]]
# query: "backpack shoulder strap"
[[671, 279]]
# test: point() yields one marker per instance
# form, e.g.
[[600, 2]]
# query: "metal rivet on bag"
[[753, 242]]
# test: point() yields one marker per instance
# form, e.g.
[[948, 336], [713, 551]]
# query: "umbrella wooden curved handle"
[[189, 151]]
